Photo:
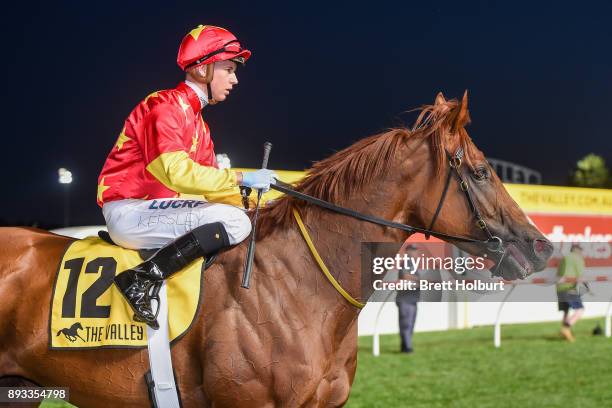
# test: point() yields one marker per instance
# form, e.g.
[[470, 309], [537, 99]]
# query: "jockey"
[[164, 155]]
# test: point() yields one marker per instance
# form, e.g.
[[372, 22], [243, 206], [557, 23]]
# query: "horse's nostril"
[[542, 248]]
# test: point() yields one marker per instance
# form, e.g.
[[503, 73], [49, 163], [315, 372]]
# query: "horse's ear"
[[463, 117], [439, 99]]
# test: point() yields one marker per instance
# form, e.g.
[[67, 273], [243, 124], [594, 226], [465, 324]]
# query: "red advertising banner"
[[595, 231]]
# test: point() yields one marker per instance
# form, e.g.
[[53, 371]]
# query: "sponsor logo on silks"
[[162, 205], [72, 333]]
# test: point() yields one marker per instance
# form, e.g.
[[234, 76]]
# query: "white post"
[[376, 335], [609, 320], [376, 344], [497, 332]]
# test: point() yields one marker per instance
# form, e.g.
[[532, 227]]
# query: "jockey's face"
[[224, 80]]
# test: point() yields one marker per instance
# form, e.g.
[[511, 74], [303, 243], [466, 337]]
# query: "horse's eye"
[[480, 173]]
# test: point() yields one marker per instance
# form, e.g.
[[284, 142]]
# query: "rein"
[[455, 162]]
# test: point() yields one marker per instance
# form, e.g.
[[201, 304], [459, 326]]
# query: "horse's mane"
[[349, 170]]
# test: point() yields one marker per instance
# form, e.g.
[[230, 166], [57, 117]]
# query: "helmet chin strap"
[[210, 71]]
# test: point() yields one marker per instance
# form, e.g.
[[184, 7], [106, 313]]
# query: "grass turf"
[[460, 368]]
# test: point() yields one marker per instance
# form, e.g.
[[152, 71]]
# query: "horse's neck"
[[339, 240]]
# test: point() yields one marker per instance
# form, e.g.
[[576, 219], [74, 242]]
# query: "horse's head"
[[402, 174], [440, 137]]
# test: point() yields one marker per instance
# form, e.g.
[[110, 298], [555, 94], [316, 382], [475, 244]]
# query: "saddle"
[[88, 310]]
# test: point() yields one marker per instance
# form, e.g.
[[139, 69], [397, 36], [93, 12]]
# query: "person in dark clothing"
[[406, 301]]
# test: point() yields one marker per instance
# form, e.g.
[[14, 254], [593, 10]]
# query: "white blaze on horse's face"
[[224, 79]]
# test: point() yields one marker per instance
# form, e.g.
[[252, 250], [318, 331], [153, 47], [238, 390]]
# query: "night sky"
[[322, 75]]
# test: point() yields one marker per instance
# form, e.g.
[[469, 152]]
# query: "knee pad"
[[211, 237], [244, 227]]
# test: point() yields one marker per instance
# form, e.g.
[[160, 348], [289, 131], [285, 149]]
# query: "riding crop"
[[248, 267]]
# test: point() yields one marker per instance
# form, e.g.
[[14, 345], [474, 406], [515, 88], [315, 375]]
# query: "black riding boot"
[[141, 283]]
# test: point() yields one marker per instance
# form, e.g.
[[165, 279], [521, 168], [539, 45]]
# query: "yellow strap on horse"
[[326, 272]]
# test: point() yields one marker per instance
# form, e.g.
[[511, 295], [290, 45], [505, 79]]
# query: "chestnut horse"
[[290, 340]]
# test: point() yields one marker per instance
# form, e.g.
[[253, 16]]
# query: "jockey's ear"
[[198, 72], [439, 99], [463, 117]]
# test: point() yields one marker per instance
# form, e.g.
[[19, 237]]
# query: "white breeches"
[[144, 224]]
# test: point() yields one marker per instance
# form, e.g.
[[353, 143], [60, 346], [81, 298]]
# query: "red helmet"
[[207, 44]]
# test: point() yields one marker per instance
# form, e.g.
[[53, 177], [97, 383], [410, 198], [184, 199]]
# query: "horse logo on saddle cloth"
[[87, 313]]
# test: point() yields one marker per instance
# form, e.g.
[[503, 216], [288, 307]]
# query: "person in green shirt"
[[569, 272]]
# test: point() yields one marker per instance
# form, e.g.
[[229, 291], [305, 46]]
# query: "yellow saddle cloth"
[[88, 311]]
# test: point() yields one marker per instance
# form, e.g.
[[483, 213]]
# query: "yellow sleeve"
[[231, 197], [223, 197], [178, 172]]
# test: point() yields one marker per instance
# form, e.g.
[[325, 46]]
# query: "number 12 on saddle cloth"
[[88, 311]]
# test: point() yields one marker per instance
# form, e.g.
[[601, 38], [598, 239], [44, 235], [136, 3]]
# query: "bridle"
[[455, 163], [493, 243]]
